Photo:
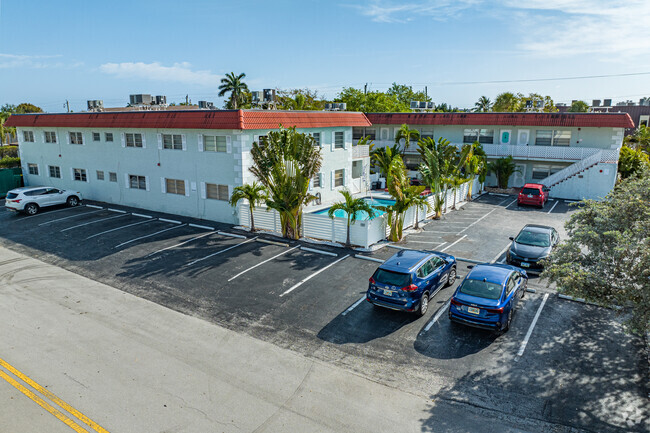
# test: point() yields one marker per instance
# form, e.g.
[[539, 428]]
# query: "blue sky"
[[51, 51]]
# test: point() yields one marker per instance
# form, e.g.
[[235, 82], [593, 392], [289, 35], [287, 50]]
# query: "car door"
[[424, 276], [438, 277], [52, 197], [38, 196]]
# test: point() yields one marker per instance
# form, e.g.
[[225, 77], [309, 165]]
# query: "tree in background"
[[503, 168], [446, 108], [9, 109], [483, 104], [476, 163], [578, 107], [26, 107], [285, 163], [505, 102], [299, 99], [370, 102], [510, 102], [405, 94], [254, 193], [235, 85], [640, 139], [352, 208], [606, 258], [407, 134]]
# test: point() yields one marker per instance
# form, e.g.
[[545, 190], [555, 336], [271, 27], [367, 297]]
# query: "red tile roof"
[[221, 119], [613, 120]]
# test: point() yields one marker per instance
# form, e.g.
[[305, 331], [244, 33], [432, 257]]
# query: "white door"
[[523, 137], [519, 178]]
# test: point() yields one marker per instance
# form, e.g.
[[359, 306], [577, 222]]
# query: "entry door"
[[519, 178], [523, 137]]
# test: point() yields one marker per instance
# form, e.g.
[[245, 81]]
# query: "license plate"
[[388, 292], [530, 196], [525, 265], [473, 310]]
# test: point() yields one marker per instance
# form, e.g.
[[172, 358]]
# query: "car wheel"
[[452, 276], [507, 325], [424, 304], [72, 201], [31, 209]]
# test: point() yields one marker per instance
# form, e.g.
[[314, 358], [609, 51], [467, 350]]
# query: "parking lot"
[[562, 365]]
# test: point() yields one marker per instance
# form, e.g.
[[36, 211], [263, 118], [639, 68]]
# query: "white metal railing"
[[360, 151]]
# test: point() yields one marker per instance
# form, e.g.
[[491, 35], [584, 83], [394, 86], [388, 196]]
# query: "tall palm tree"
[[285, 163], [475, 165], [420, 202], [408, 134], [254, 193], [437, 167], [483, 104], [352, 207], [503, 168], [233, 84], [380, 158]]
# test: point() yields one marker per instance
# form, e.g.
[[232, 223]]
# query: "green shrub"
[[8, 151], [9, 162]]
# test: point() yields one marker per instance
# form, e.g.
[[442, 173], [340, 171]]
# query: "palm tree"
[[435, 157], [475, 164], [233, 84], [408, 134], [352, 207], [503, 168], [381, 158], [285, 163], [483, 104], [254, 192], [420, 202]]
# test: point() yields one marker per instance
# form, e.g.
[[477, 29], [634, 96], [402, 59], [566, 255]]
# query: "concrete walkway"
[[131, 365]]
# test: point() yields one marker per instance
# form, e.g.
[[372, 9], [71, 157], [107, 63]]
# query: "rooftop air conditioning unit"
[[328, 106], [423, 105], [206, 105], [607, 103], [415, 105], [529, 103], [595, 103], [256, 96], [430, 105], [95, 104], [161, 100], [539, 104], [269, 95], [342, 106], [141, 98]]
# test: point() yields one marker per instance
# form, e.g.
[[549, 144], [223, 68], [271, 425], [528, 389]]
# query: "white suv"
[[30, 199]]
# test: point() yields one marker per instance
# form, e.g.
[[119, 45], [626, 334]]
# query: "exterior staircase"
[[609, 156]]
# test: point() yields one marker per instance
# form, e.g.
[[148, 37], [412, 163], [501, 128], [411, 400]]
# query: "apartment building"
[[180, 162], [576, 154]]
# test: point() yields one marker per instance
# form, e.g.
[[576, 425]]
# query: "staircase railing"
[[575, 168]]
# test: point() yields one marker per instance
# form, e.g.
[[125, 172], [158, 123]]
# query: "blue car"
[[488, 295], [409, 279]]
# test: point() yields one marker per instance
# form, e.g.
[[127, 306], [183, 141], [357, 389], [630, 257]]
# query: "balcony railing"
[[360, 151]]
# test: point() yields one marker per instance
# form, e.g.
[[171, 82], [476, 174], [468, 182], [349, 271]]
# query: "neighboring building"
[[576, 154], [180, 162], [640, 114]]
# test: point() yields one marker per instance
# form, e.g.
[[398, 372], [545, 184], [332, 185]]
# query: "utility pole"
[[365, 89], [425, 92], [67, 104], [187, 99]]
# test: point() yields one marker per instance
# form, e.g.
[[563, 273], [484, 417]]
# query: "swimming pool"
[[374, 202]]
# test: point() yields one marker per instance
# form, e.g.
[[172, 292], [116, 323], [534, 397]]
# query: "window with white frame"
[[552, 138], [96, 136], [486, 136], [315, 182], [426, 132], [140, 182], [338, 177], [55, 171], [216, 192], [28, 136], [100, 175], [561, 138], [50, 137], [175, 186], [108, 136], [76, 138], [112, 176], [172, 141], [339, 140], [316, 136], [80, 174], [215, 143], [133, 139], [470, 135], [357, 133], [32, 169]]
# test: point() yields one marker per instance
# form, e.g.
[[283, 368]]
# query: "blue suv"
[[409, 279]]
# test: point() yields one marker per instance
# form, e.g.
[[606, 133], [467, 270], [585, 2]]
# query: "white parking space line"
[[148, 236], [437, 316], [261, 263], [510, 204], [221, 251], [553, 207], [439, 245], [92, 222], [295, 286], [500, 254], [476, 221], [52, 211], [353, 306], [68, 217], [179, 244], [452, 244], [118, 228], [532, 325], [508, 198]]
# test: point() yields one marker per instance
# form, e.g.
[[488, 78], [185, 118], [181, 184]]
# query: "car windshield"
[[535, 239], [481, 289], [12, 195], [392, 278], [530, 191]]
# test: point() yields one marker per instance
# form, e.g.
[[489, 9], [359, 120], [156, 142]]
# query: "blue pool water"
[[361, 215]]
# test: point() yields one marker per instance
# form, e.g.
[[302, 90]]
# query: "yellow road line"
[[76, 427], [47, 393]]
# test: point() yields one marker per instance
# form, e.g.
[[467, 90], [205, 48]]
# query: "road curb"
[[372, 259], [198, 226], [232, 235], [266, 241], [314, 250]]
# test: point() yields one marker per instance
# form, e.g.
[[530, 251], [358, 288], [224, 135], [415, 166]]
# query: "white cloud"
[[30, 61], [178, 72], [387, 11]]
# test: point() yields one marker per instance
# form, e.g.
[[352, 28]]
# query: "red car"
[[534, 194]]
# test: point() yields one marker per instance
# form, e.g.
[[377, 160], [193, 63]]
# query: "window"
[[486, 136], [112, 176], [175, 186], [426, 133], [76, 138], [216, 192], [79, 174], [561, 138], [213, 143], [315, 181], [172, 141], [262, 139], [100, 175], [359, 133], [108, 136], [316, 136], [338, 177], [425, 269], [338, 140], [96, 136], [50, 137], [553, 138], [470, 135], [55, 171], [28, 136], [140, 182], [32, 169], [412, 162], [512, 283], [133, 140]]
